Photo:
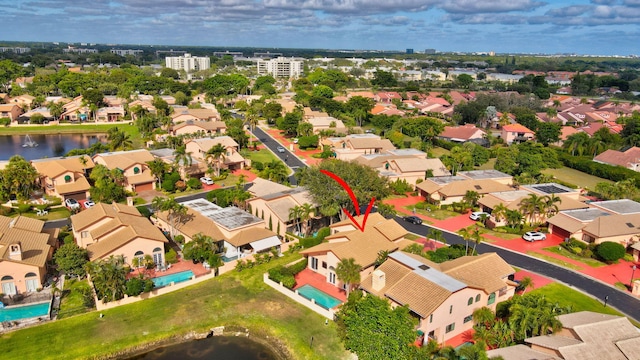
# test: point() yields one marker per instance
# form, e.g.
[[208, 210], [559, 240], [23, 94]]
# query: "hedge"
[[609, 172], [286, 274]]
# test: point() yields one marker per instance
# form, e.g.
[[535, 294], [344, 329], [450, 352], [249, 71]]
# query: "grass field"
[[262, 155], [566, 253], [438, 151], [233, 299], [554, 260], [575, 177], [130, 130]]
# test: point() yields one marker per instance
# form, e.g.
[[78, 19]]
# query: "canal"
[[48, 145]]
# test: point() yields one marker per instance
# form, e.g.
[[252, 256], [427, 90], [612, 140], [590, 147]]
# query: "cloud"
[[489, 6]]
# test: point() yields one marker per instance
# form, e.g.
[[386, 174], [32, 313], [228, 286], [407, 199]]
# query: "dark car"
[[413, 219]]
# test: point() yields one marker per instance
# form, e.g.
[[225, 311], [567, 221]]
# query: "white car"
[[89, 203], [72, 204], [206, 180], [534, 236], [295, 141], [280, 149], [477, 215]]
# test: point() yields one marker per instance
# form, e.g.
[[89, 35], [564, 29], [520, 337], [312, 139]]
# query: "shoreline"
[[60, 128], [277, 346]]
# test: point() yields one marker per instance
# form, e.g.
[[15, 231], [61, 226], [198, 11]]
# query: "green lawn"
[[54, 214], [575, 177], [564, 252], [233, 299], [438, 151], [554, 260], [439, 214], [566, 296], [489, 165], [130, 130], [263, 155], [72, 299]]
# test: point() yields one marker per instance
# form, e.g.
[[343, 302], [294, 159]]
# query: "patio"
[[309, 277]]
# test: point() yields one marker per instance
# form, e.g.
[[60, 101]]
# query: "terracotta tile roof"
[[459, 188], [614, 225], [124, 159], [624, 159], [201, 114], [365, 143], [263, 187], [366, 94], [207, 143], [486, 271], [196, 223], [466, 132], [565, 222], [85, 218], [567, 131], [516, 128], [415, 164], [206, 125], [34, 243], [55, 167], [281, 206], [250, 235], [80, 184]]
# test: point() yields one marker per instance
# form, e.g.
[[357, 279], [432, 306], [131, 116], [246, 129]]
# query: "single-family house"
[[117, 229], [183, 114], [516, 133], [201, 128], [25, 248], [133, 165], [25, 101], [65, 177], [275, 206], [629, 158], [547, 189], [387, 97], [346, 242], [442, 296], [11, 111], [354, 145], [410, 165], [444, 190], [327, 123], [75, 110], [585, 335], [196, 169], [236, 232], [462, 134], [110, 113], [231, 158], [40, 111]]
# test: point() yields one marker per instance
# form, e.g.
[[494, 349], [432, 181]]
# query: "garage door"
[[561, 233], [78, 196], [144, 187]]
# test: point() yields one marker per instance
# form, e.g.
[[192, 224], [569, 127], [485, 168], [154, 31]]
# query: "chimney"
[[378, 280], [15, 252]]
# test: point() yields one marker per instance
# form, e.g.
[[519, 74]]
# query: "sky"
[[596, 27]]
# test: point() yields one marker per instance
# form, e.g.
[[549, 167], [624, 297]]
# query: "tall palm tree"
[[215, 155], [182, 157], [348, 272], [176, 212], [294, 215], [576, 143], [551, 204], [531, 207], [499, 212], [436, 235], [466, 235], [306, 210], [514, 218], [158, 168], [477, 239]]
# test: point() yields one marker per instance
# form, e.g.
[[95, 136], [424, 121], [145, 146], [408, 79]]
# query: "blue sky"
[[606, 27]]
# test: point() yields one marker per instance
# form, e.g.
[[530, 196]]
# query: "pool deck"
[[309, 277], [182, 265]]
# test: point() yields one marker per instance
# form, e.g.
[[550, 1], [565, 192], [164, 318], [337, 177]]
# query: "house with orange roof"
[[365, 94], [387, 97], [11, 111], [75, 110], [629, 158], [25, 248], [24, 101], [231, 159], [202, 128], [184, 114], [65, 177], [516, 133], [327, 123], [389, 110], [443, 296], [462, 134], [110, 113], [133, 165], [354, 145], [565, 132], [115, 229]]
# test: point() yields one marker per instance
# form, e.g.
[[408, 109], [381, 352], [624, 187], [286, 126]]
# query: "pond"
[[49, 145], [216, 347]]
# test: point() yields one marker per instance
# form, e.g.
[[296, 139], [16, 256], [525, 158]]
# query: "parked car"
[[534, 236], [477, 215], [89, 203], [72, 204], [206, 180], [413, 219], [280, 149], [295, 141]]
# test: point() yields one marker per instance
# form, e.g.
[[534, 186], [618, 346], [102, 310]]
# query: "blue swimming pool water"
[[323, 299], [228, 259], [165, 280], [12, 313]]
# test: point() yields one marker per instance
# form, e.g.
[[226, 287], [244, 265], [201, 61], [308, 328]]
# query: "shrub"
[[310, 242], [289, 282], [144, 211], [171, 256], [257, 165], [138, 285], [298, 267], [194, 183], [400, 187], [610, 251], [305, 142], [323, 233], [69, 239], [179, 239]]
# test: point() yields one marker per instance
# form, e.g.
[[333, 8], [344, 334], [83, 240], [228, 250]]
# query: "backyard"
[[236, 299], [575, 177]]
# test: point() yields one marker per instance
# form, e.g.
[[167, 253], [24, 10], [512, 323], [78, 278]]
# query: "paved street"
[[287, 157]]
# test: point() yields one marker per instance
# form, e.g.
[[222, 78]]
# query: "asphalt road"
[[625, 303], [287, 157]]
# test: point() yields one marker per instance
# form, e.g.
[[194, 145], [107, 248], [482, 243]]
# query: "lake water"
[[217, 347], [49, 145]]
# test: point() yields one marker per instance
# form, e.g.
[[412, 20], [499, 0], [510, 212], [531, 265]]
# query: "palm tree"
[[471, 198], [551, 204], [118, 139], [532, 207], [182, 157], [514, 218], [466, 235], [348, 272], [525, 283], [158, 167], [576, 142], [294, 215], [215, 154], [477, 239], [176, 212], [305, 215], [499, 212], [436, 235], [275, 171]]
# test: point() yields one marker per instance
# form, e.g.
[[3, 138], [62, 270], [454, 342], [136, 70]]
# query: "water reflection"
[[49, 145], [217, 347]]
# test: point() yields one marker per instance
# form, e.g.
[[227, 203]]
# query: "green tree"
[[176, 212], [200, 248], [548, 133], [271, 111], [109, 277], [348, 272], [531, 207], [291, 122], [370, 328], [107, 184], [610, 251], [576, 143], [384, 79], [464, 80], [118, 139], [359, 107], [158, 168], [323, 91], [215, 155], [18, 178], [71, 259]]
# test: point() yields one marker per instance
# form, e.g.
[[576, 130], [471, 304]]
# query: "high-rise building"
[[430, 51], [280, 67], [188, 63], [409, 51]]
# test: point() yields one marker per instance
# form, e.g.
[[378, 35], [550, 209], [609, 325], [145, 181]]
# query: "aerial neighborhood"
[[396, 205]]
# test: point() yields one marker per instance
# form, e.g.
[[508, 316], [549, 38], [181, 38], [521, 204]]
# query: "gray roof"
[[443, 180], [589, 214], [230, 218], [623, 206], [433, 275], [519, 352], [484, 174], [283, 193], [550, 188], [400, 152]]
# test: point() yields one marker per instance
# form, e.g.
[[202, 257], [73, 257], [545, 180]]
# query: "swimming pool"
[[12, 313], [165, 280], [323, 299]]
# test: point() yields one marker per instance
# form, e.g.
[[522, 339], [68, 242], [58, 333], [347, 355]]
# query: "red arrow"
[[354, 200]]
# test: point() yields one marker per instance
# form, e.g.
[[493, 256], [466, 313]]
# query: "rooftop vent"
[[630, 225], [478, 187], [423, 267]]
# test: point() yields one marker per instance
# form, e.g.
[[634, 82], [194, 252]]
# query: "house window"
[[468, 318], [492, 299], [67, 178], [430, 318], [314, 263], [31, 281], [84, 234], [332, 278], [470, 301], [451, 309], [8, 287], [324, 264], [477, 297], [136, 170], [140, 256], [157, 256], [450, 327]]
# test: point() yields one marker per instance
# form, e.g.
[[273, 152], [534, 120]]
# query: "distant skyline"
[[596, 27]]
